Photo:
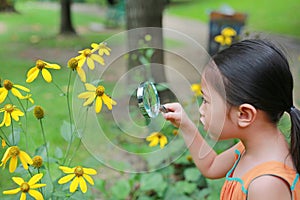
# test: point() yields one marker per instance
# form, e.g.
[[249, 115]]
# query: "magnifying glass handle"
[[164, 109]]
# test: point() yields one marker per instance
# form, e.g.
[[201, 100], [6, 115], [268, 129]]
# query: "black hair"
[[257, 72]]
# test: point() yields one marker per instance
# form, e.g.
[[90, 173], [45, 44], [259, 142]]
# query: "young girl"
[[246, 90]]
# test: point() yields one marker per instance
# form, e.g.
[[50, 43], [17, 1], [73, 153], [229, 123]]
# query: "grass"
[[32, 35], [281, 17]]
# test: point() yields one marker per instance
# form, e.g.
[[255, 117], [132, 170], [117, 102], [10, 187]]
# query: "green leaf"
[[65, 131], [144, 60], [191, 174], [149, 53], [173, 194], [185, 187], [58, 152], [121, 189], [153, 181]]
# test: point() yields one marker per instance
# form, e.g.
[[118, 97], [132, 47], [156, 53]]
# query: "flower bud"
[[37, 161], [38, 112]]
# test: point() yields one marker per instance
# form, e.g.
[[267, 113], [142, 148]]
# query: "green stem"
[[79, 142], [5, 137], [12, 133], [25, 131], [70, 117], [47, 151], [64, 94]]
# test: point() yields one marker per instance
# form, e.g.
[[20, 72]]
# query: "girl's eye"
[[204, 100]]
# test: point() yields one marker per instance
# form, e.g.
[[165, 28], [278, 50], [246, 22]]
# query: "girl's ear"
[[246, 115]]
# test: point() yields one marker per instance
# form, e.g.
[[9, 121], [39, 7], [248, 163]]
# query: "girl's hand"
[[176, 115]]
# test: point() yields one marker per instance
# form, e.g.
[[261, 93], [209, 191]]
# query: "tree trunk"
[[66, 26], [7, 6], [140, 14]]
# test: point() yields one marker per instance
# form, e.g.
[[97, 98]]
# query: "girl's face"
[[214, 113]]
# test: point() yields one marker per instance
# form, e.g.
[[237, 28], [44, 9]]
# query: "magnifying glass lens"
[[151, 100]]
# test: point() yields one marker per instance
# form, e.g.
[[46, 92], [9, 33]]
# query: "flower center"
[[73, 63], [14, 151], [78, 171], [37, 161], [9, 108], [40, 64], [7, 84], [25, 187], [100, 90], [87, 52]]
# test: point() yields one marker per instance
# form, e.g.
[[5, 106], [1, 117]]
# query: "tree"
[[7, 6], [66, 26]]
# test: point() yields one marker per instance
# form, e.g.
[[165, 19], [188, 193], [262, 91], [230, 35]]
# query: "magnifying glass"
[[148, 100]]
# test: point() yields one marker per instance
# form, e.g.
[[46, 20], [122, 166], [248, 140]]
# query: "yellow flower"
[[28, 97], [89, 57], [14, 152], [3, 143], [41, 66], [196, 88], [226, 36], [9, 86], [156, 138], [96, 94], [10, 111], [175, 132], [27, 187], [101, 48], [73, 64], [79, 176]]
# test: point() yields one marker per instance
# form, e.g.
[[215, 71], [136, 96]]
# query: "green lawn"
[[32, 35], [276, 16]]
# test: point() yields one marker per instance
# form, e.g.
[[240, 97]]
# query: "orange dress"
[[236, 188]]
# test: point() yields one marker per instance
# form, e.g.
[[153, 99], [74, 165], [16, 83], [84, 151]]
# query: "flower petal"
[[90, 63], [89, 101], [4, 119], [52, 66], [81, 60], [15, 114], [82, 184], [74, 184], [3, 95], [98, 59], [35, 179], [66, 170], [90, 87], [13, 191], [7, 119], [35, 186], [81, 74], [220, 39], [33, 75], [25, 89], [163, 141], [98, 104], [108, 101], [66, 178], [154, 142], [86, 95], [17, 93], [89, 171], [23, 196], [32, 70], [5, 157], [36, 194], [88, 178], [18, 180], [13, 164], [46, 74], [25, 159]]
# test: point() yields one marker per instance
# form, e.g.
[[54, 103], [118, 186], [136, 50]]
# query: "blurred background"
[[55, 31]]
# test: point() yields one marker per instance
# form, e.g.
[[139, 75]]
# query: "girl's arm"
[[208, 162]]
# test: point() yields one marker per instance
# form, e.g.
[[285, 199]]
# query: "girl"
[[246, 89]]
